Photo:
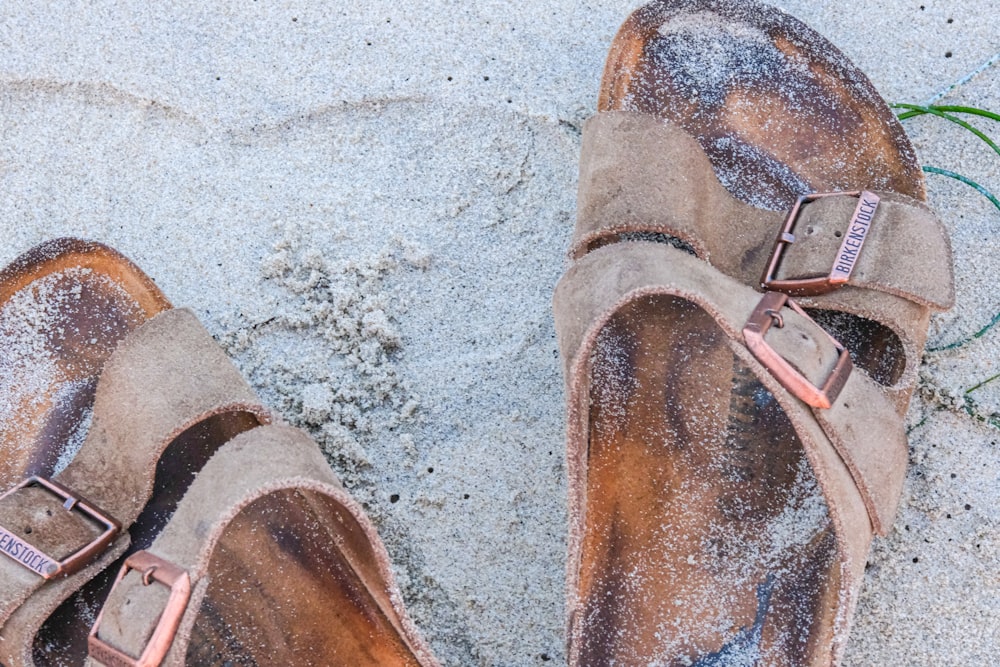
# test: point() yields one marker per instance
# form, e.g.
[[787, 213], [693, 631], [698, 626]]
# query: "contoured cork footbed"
[[707, 541]]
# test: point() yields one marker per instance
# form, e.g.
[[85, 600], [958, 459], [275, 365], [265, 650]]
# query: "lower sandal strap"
[[856, 449], [166, 377], [151, 625], [858, 441]]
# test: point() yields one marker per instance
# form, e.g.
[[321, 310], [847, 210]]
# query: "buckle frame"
[[44, 565], [768, 313], [843, 262], [153, 569]]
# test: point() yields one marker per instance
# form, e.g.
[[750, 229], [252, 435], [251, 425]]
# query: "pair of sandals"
[[738, 359]]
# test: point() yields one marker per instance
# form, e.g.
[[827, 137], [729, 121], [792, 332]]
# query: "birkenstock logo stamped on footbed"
[[25, 554], [855, 237]]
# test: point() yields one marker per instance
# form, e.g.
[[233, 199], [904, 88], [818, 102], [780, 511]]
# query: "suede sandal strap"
[[154, 618], [165, 377], [639, 173], [860, 428]]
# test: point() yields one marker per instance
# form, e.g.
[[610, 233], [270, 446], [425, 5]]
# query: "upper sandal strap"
[[165, 377], [639, 173], [861, 429]]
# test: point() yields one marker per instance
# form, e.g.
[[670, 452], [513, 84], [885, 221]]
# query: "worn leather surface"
[[64, 307]]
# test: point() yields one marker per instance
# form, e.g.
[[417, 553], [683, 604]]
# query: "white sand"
[[369, 203]]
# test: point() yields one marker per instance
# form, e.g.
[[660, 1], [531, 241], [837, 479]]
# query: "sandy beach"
[[368, 204]]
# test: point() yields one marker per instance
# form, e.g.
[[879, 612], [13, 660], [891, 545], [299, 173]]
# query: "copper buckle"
[[44, 565], [768, 312], [843, 261], [153, 568]]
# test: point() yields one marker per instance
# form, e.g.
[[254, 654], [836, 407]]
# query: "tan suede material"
[[641, 173], [858, 452], [164, 377], [253, 465], [908, 320]]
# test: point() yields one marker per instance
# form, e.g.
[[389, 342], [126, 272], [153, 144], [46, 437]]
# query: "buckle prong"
[[766, 314], [146, 574]]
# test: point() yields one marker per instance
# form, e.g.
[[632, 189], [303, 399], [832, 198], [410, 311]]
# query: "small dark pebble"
[[394, 498]]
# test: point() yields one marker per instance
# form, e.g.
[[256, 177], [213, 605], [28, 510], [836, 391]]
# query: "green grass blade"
[[959, 343], [982, 384], [919, 110], [968, 181], [958, 121], [970, 110]]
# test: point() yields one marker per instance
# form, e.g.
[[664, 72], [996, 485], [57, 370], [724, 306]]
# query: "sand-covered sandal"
[[267, 561], [92, 473], [727, 467], [166, 401]]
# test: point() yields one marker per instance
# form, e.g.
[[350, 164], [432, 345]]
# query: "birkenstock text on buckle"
[[768, 313], [48, 567], [153, 569], [843, 261]]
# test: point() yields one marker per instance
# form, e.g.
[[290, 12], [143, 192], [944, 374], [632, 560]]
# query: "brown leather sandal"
[[166, 401], [728, 468]]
